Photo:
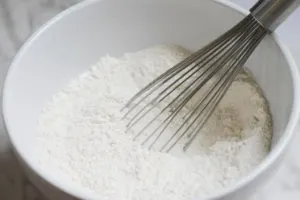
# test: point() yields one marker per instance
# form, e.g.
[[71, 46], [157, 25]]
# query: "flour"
[[81, 137]]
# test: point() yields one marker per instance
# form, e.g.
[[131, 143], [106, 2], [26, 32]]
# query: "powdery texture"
[[81, 137]]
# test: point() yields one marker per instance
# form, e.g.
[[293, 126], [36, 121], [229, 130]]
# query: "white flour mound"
[[82, 138]]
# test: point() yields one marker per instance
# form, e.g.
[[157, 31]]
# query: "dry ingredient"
[[81, 137]]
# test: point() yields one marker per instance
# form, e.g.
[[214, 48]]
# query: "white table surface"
[[20, 18]]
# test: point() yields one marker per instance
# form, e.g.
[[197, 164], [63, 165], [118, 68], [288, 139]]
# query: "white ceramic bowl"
[[75, 39]]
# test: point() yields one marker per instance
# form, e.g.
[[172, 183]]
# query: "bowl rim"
[[84, 193]]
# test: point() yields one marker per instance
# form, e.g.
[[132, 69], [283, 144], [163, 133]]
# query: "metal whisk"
[[201, 80]]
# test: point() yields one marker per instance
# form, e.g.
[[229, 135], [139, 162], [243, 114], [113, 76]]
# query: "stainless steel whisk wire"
[[221, 59]]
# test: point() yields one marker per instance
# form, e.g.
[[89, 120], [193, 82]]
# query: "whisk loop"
[[193, 87]]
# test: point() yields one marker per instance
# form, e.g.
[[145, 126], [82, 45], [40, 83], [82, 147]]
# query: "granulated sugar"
[[82, 137]]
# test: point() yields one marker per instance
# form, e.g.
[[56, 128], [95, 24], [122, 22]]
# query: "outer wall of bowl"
[[242, 190]]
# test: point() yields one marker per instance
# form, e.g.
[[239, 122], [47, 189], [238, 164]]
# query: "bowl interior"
[[76, 39]]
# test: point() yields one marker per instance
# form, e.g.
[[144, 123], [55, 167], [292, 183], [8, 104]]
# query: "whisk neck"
[[271, 13]]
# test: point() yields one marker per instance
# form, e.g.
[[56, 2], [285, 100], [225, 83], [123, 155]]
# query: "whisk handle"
[[271, 13]]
